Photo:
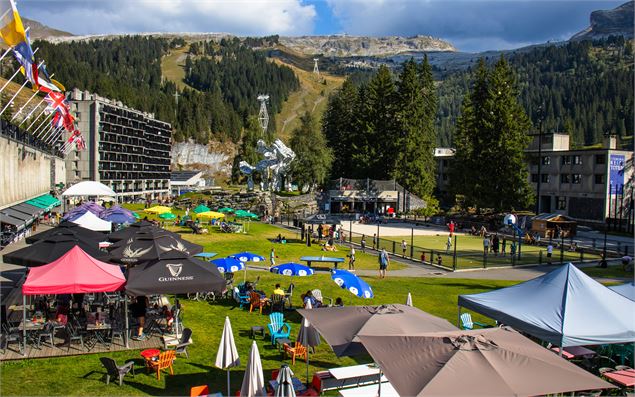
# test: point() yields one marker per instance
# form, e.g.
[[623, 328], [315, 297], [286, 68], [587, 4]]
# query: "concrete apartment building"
[[126, 149]]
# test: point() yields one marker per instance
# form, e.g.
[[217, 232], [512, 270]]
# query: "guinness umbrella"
[[124, 234], [340, 325], [484, 362], [150, 248], [68, 228], [174, 273], [51, 249], [144, 232]]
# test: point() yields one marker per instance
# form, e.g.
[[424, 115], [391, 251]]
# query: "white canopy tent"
[[89, 188], [93, 222]]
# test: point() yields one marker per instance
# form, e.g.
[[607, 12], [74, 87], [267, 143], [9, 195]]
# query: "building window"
[[599, 179], [600, 159], [577, 159], [564, 178], [546, 160], [534, 178], [566, 160], [544, 178], [561, 203], [576, 178]]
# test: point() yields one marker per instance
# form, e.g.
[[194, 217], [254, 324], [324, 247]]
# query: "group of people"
[[493, 244]]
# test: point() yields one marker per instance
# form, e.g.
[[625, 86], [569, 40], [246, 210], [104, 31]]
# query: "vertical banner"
[[616, 172]]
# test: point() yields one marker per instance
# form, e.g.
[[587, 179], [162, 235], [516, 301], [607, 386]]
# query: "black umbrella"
[[51, 249], [69, 229], [150, 247], [144, 232], [174, 273], [131, 230]]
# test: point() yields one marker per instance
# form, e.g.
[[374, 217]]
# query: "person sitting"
[[338, 302], [308, 297], [283, 240], [278, 239], [169, 318], [278, 290]]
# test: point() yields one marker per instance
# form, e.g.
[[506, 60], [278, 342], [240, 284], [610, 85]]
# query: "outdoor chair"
[[74, 335], [48, 332], [241, 298], [277, 327], [114, 370], [277, 303], [317, 294], [256, 301], [165, 361], [197, 391], [467, 323], [296, 351], [289, 294], [622, 367], [604, 370], [117, 331], [11, 335], [184, 342]]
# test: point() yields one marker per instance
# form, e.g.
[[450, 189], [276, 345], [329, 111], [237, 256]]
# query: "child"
[[448, 244]]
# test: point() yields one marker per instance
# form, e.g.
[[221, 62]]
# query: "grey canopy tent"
[[627, 290], [564, 307]]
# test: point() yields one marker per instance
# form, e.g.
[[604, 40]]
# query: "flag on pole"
[[47, 84], [26, 57], [57, 120], [57, 101], [11, 27]]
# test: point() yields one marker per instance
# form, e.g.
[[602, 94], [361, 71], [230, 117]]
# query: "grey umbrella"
[[254, 380], [484, 362], [285, 382], [308, 336], [227, 355]]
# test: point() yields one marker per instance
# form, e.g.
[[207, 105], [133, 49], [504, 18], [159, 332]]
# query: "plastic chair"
[[467, 323], [115, 370], [165, 361], [296, 351], [196, 391], [11, 335], [240, 298], [184, 342], [277, 327]]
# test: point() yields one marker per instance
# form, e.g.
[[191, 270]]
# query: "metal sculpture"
[[276, 162]]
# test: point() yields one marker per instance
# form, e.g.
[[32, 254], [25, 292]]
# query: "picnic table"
[[206, 255], [387, 390], [624, 377], [572, 352], [322, 259]]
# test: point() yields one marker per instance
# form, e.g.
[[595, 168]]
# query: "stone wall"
[[26, 172]]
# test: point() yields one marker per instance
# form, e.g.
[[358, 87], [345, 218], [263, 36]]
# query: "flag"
[[47, 84], [11, 27], [25, 56], [80, 143], [57, 101], [58, 120]]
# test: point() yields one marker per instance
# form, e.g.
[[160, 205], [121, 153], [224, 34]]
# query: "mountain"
[[344, 45], [617, 22], [40, 31]]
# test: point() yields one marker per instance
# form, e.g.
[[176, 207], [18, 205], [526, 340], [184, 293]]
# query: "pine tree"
[[313, 157], [340, 129]]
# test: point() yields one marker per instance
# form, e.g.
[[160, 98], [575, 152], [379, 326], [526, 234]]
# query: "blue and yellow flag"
[[11, 27]]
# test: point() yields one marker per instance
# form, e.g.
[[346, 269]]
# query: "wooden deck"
[[62, 349]]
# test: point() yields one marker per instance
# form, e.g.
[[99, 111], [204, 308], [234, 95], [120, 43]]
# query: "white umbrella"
[[308, 336], [409, 300], [285, 383], [254, 380], [227, 355]]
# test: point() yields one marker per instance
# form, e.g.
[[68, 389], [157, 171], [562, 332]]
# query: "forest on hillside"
[[225, 82]]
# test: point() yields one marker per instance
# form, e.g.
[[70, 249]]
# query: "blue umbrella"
[[292, 269], [247, 257], [353, 283], [228, 265]]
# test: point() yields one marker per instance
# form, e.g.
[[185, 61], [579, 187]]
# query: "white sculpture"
[[276, 162]]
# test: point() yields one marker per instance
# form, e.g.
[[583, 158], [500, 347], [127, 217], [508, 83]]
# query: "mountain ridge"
[[604, 23]]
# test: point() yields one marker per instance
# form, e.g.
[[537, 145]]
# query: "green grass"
[[82, 375], [614, 271]]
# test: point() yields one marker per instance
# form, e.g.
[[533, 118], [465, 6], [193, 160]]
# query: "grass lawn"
[[83, 375], [613, 271]]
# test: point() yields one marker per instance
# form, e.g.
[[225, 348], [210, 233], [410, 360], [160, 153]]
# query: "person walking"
[[485, 245], [363, 243], [375, 245], [448, 244], [504, 247], [495, 244], [272, 257], [384, 261], [351, 259], [404, 245], [549, 253]]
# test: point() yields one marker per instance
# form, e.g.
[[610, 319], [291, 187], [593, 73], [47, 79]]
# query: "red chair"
[[196, 391]]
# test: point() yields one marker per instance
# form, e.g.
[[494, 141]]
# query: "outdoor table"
[[387, 390], [149, 354], [298, 386], [31, 325], [257, 328], [574, 352], [281, 341], [322, 259], [625, 377], [97, 334]]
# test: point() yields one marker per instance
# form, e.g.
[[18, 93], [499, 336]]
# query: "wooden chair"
[[296, 351], [256, 301], [165, 361], [277, 303]]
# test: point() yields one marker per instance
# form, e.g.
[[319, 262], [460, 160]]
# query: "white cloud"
[[242, 17]]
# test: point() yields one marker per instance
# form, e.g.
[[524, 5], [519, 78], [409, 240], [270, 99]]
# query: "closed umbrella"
[[309, 337], [227, 355], [292, 269], [340, 325], [285, 383], [254, 380], [485, 362], [353, 283], [409, 300], [228, 265]]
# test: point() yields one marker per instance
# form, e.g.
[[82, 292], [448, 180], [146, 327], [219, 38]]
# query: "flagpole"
[[6, 52], [13, 97], [15, 74], [31, 112], [23, 106], [47, 132], [54, 136], [36, 117], [42, 124]]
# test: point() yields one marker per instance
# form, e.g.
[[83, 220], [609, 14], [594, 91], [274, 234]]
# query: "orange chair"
[[256, 301], [165, 361], [296, 351], [196, 391]]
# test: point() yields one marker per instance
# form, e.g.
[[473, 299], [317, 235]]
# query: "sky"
[[470, 25]]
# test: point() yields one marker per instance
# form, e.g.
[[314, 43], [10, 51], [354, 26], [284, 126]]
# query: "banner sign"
[[616, 172]]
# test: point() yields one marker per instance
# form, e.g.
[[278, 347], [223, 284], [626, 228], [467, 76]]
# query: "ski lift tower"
[[263, 116], [316, 71]]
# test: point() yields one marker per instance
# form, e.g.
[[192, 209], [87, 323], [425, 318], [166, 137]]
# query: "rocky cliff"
[[604, 23], [214, 159], [342, 45]]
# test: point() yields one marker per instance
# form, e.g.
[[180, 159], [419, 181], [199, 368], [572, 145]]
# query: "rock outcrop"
[[604, 23]]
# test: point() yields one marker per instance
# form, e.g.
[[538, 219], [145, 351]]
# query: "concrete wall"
[[26, 172]]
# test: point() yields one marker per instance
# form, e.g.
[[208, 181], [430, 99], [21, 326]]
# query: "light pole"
[[541, 117]]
